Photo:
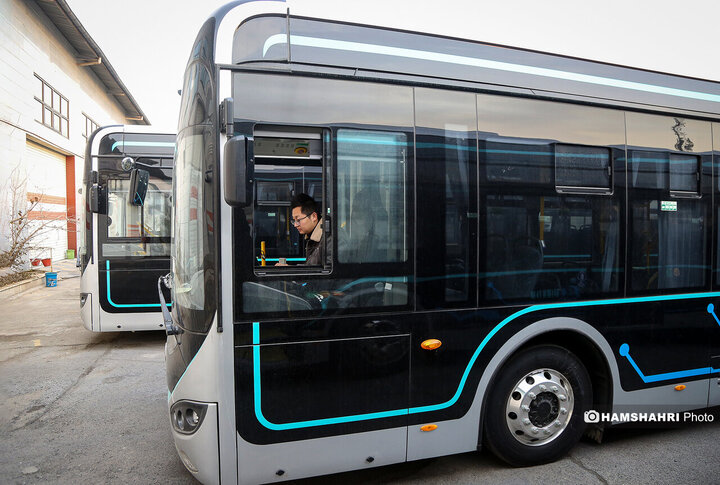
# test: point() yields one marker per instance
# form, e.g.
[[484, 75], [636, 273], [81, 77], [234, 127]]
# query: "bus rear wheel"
[[534, 413]]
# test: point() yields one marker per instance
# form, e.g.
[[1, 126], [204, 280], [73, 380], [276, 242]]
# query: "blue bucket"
[[50, 279]]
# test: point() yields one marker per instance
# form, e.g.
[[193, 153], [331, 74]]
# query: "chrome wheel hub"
[[539, 407]]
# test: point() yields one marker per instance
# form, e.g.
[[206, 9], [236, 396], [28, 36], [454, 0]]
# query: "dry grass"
[[14, 277]]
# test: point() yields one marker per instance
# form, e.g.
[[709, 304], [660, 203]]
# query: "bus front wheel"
[[534, 413]]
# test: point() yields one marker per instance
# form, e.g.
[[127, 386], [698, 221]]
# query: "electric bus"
[[519, 246], [125, 241]]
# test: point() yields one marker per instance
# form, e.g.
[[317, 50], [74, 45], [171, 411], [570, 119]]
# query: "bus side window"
[[668, 206], [370, 225], [371, 196], [550, 213]]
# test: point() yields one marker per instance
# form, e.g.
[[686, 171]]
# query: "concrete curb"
[[14, 289]]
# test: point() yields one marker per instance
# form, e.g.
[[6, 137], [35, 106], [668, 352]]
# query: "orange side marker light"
[[428, 427], [680, 387], [431, 344]]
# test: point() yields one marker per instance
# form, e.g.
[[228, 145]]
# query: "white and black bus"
[[125, 241], [512, 241]]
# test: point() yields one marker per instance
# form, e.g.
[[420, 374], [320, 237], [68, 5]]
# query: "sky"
[[148, 41]]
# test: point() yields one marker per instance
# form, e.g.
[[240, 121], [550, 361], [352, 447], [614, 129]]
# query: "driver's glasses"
[[296, 222]]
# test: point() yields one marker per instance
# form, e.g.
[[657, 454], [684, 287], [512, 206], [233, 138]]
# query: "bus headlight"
[[187, 416]]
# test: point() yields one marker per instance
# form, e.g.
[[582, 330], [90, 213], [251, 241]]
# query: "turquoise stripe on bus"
[[302, 424], [126, 305], [711, 311], [485, 64], [444, 405], [624, 351]]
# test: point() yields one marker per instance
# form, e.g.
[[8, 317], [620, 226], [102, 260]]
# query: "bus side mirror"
[[98, 199], [138, 185], [238, 172]]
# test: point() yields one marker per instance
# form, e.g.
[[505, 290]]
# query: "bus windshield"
[[193, 256], [188, 263], [134, 230]]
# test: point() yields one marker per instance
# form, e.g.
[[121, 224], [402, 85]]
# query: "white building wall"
[[30, 44]]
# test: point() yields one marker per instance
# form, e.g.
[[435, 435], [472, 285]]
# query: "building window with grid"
[[90, 126], [54, 107]]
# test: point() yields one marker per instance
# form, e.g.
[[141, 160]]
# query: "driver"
[[307, 220]]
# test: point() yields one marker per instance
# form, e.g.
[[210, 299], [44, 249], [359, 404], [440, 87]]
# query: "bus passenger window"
[[668, 222], [551, 248], [684, 173], [371, 196], [583, 168], [668, 250]]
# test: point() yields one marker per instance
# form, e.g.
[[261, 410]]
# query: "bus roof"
[[391, 50]]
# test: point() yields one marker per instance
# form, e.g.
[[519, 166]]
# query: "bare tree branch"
[[26, 220]]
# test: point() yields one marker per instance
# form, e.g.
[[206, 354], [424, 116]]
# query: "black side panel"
[[130, 286], [314, 389]]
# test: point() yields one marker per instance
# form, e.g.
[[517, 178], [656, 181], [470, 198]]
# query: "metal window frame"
[[51, 123]]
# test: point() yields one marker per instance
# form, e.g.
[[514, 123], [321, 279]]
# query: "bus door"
[[321, 354], [133, 238]]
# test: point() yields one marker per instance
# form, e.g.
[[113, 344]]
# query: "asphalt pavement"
[[80, 407], [85, 408]]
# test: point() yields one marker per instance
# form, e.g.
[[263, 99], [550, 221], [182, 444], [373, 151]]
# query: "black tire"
[[525, 431]]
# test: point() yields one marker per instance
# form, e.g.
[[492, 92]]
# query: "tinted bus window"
[[714, 188], [648, 169], [251, 40], [684, 173], [446, 150], [582, 167], [669, 214], [371, 196], [536, 244]]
